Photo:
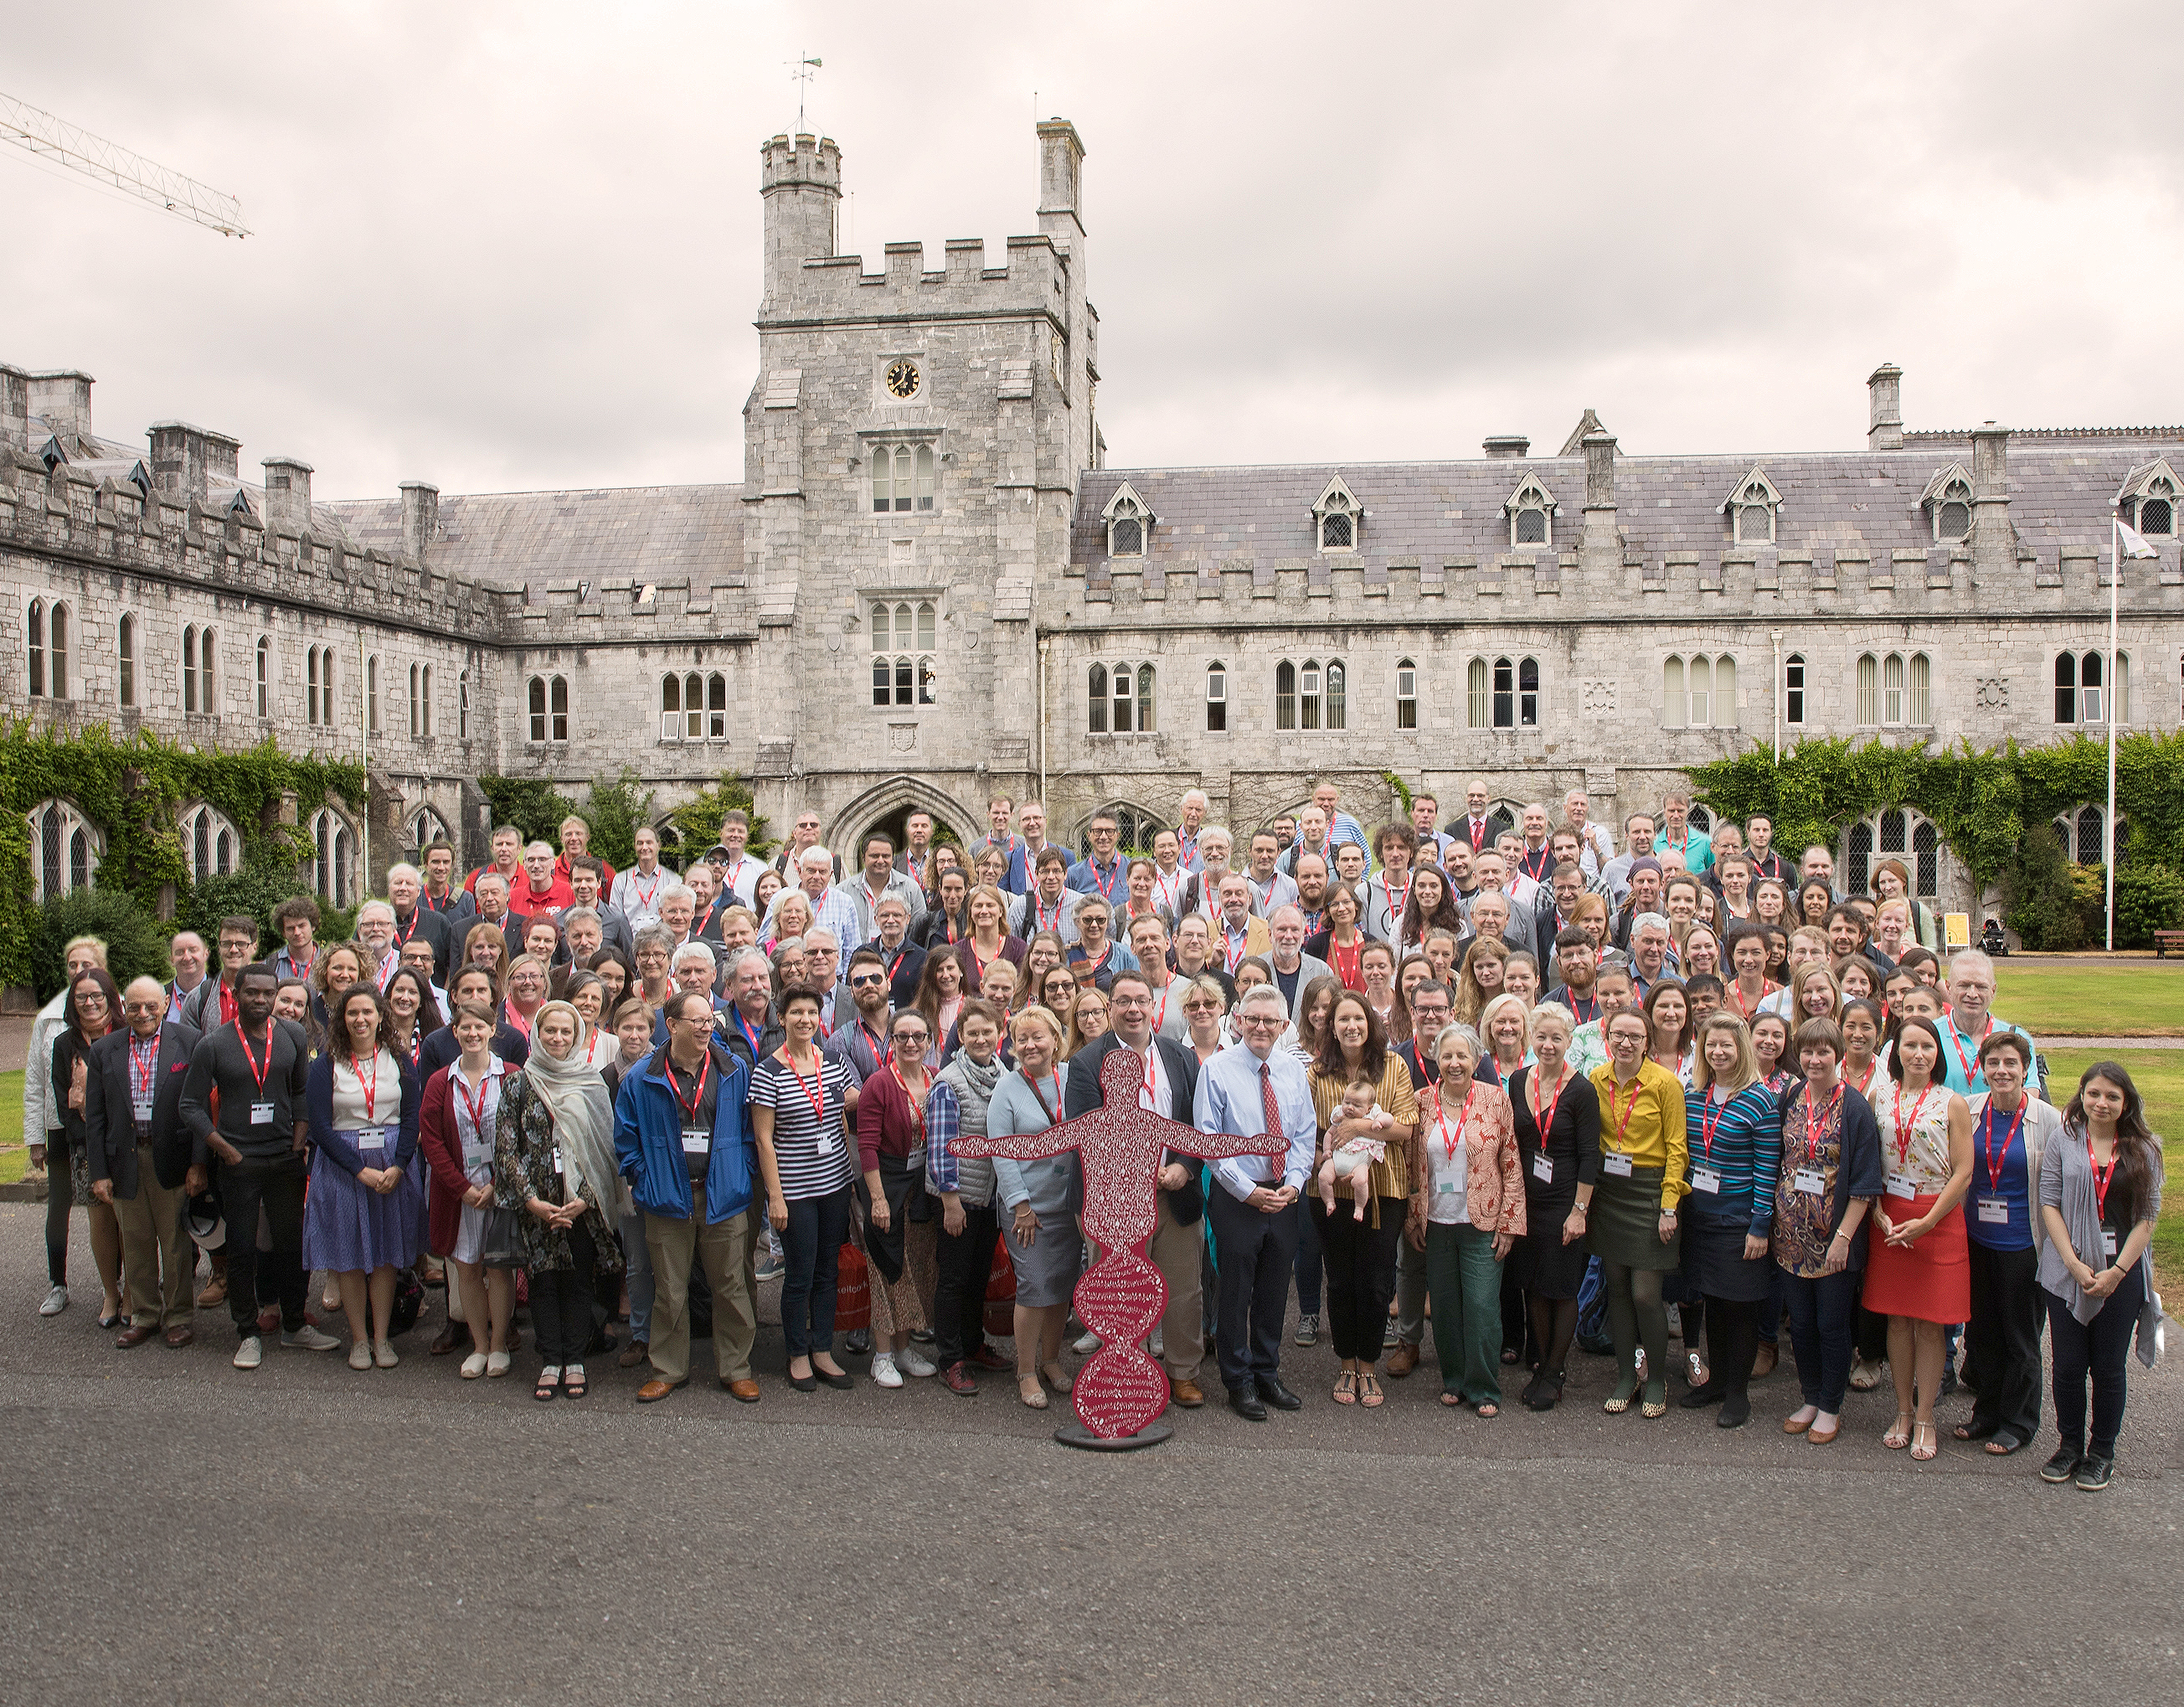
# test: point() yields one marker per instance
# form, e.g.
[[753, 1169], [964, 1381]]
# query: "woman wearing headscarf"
[[553, 1164]]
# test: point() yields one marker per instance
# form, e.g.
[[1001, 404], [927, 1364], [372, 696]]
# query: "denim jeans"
[[811, 1249], [1820, 1331]]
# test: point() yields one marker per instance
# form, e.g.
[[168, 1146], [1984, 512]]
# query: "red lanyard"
[[1623, 1125], [815, 1093], [2103, 1176], [303, 968], [1161, 1018], [230, 1011], [1736, 996], [143, 1058], [1040, 1096], [256, 1071], [916, 1099], [727, 881], [474, 1105], [1449, 1142], [877, 1043], [1349, 966], [751, 1033], [1710, 1114], [698, 925], [1994, 1163], [401, 936], [1106, 883], [370, 1086], [1544, 1119], [698, 1093], [645, 895], [1267, 900], [1166, 887], [1903, 1132], [1814, 1123], [1958, 1049], [1232, 949], [972, 943], [1152, 1054], [1397, 906], [1040, 920]]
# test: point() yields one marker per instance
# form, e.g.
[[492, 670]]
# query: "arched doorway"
[[886, 808]]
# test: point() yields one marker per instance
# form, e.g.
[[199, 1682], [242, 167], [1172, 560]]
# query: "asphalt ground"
[[177, 1531]]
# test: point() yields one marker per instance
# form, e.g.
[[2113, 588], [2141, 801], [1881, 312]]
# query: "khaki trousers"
[[159, 1263], [1176, 1251], [729, 1252]]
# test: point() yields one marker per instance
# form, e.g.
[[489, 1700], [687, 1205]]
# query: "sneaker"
[[1156, 1345], [1087, 1343], [857, 1341], [912, 1362], [250, 1353], [359, 1355], [2093, 1474], [384, 1355], [2064, 1465], [771, 1267], [1307, 1333], [884, 1373], [56, 1300], [308, 1338]]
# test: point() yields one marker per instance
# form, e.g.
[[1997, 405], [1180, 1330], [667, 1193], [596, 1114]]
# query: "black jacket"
[[109, 1109], [1083, 1095]]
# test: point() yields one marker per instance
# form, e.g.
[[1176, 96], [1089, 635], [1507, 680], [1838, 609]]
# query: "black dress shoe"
[[1279, 1397], [857, 1341], [1245, 1403]]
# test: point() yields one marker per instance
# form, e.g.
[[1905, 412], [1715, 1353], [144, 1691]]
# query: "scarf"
[[575, 1096]]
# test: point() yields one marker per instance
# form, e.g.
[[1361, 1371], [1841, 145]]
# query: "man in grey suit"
[[140, 1155]]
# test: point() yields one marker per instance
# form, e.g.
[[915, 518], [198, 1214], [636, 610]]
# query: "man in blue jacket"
[[682, 1139]]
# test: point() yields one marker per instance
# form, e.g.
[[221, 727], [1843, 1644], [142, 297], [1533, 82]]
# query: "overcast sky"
[[511, 246]]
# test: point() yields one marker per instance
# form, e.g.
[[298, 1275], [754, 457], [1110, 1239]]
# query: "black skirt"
[[1542, 1264], [903, 1182], [1713, 1261]]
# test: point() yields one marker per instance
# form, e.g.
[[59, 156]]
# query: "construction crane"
[[119, 168]]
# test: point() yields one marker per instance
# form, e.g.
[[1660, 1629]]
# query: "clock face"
[[903, 379]]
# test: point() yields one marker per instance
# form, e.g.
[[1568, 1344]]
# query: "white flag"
[[2134, 542]]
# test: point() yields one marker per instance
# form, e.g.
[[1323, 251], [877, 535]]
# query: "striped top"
[[1391, 1177], [812, 1153], [1741, 1141]]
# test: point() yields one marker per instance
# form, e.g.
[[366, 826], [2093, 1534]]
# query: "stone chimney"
[[63, 398], [801, 181], [1994, 544], [288, 494], [1601, 550], [184, 457], [421, 519], [1506, 447], [15, 406], [1884, 392], [1061, 180]]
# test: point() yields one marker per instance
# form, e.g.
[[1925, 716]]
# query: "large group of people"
[[1517, 1088]]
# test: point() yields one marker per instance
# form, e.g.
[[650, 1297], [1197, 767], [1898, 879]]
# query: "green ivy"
[[616, 810], [699, 820], [533, 805], [132, 789]]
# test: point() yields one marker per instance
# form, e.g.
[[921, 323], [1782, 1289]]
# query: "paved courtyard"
[[180, 1532]]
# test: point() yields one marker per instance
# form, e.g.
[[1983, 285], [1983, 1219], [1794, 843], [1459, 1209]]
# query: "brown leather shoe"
[[635, 1352], [179, 1337], [1402, 1360], [449, 1336], [656, 1390], [215, 1293], [1186, 1394], [1763, 1365], [744, 1391], [134, 1336]]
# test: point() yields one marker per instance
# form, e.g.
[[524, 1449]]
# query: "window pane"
[[2121, 696], [928, 680], [1122, 713], [1285, 695], [717, 707], [1309, 695], [1505, 694], [903, 488], [1335, 533], [37, 646], [1474, 685], [1868, 698], [49, 851], [1216, 683], [1793, 697], [925, 627], [58, 663], [1531, 526], [1098, 715], [925, 477], [1129, 540], [1338, 697], [1921, 709], [1858, 874], [879, 628], [1144, 699], [1672, 694], [1725, 693], [1894, 832], [189, 669], [80, 859], [1701, 672], [694, 716], [1528, 693], [127, 650], [1955, 520], [902, 681], [2089, 836], [1926, 860], [879, 681], [1891, 689], [882, 481], [670, 695]]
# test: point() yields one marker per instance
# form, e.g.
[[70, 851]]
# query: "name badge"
[[475, 1157], [1616, 1163], [557, 1161], [1903, 1185], [828, 1144], [1446, 1188], [2108, 1241], [1706, 1180], [1810, 1179], [696, 1140], [1993, 1212], [1543, 1167], [261, 1114], [140, 1109]]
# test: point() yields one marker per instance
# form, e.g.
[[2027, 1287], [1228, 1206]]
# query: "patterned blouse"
[[1915, 1133], [1805, 1221], [523, 1169]]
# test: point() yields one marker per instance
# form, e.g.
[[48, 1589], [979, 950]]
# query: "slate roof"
[[647, 533]]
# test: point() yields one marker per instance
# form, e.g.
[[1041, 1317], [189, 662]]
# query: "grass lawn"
[[2159, 1075], [13, 1157], [2111, 1001]]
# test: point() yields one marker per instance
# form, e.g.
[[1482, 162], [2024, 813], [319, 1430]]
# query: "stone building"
[[929, 588]]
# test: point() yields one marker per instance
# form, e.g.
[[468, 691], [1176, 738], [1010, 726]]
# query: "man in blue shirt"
[[1253, 1205], [1102, 873], [1340, 825], [1965, 1027]]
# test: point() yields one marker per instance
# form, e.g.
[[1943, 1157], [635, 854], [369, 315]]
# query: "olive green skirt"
[[1624, 1223]]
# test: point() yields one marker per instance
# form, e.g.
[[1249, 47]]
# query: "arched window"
[[211, 845], [1949, 500], [1126, 526], [1698, 692], [2079, 832], [1134, 830], [2078, 696], [426, 699], [190, 668], [1096, 713], [1891, 689], [549, 698], [1919, 703], [1675, 709], [1285, 695], [1338, 696], [417, 704], [265, 676], [717, 707], [902, 477], [1337, 517], [1793, 688], [319, 686], [64, 850], [125, 652], [427, 828], [372, 693], [35, 624], [57, 643], [1126, 694], [1505, 694], [207, 683], [1217, 696], [671, 727], [905, 669], [1308, 695], [1899, 833], [1479, 712], [463, 705], [330, 871], [1407, 694]]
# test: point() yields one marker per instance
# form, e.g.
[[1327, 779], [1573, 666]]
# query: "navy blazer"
[[109, 1115], [1083, 1095]]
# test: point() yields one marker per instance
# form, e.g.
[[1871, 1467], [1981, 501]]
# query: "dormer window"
[[2148, 499], [1129, 521], [1338, 517], [1949, 502], [1531, 512], [1751, 509]]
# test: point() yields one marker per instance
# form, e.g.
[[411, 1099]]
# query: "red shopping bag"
[[853, 1292], [1001, 1292]]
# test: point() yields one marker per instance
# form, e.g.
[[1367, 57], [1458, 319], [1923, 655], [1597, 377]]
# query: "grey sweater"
[[2066, 1183]]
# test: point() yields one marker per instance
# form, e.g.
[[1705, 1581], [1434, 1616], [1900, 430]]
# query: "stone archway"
[[887, 806]]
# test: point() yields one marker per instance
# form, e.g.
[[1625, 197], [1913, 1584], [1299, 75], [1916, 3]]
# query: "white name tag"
[[1543, 1167], [828, 1144], [1993, 1212], [1810, 1181], [261, 1114], [1706, 1180], [1616, 1163], [2108, 1241], [696, 1140], [372, 1139], [1903, 1185], [557, 1161], [475, 1157], [140, 1107]]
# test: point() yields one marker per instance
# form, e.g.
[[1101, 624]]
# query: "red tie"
[[1273, 1112]]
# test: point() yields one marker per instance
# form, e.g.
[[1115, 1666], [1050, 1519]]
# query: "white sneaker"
[[884, 1373], [1155, 1345], [359, 1355], [1088, 1343], [250, 1353], [384, 1355], [912, 1362], [473, 1366], [308, 1338], [56, 1300]]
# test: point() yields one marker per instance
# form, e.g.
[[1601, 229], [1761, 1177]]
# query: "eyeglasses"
[[912, 1036], [864, 980]]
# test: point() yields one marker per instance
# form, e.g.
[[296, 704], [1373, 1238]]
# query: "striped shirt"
[[1739, 1141], [812, 1153]]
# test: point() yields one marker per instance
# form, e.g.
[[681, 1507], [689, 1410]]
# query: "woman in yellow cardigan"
[[1632, 1223]]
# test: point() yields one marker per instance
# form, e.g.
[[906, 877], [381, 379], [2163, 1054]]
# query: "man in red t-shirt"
[[507, 859]]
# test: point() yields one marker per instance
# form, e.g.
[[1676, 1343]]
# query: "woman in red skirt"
[[1919, 1270]]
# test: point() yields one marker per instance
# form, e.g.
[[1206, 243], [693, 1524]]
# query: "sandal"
[[1965, 1431], [1452, 1398], [2004, 1442], [1345, 1387], [1899, 1432], [1031, 1392], [1489, 1411], [1057, 1377], [549, 1383], [1923, 1453], [573, 1385], [1368, 1390]]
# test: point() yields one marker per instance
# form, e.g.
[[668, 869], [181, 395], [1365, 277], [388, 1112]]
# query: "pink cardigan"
[[1494, 1194]]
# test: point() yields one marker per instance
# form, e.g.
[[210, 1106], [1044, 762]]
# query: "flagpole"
[[2108, 824]]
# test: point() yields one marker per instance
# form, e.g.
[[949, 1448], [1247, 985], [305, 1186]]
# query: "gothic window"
[[49, 650], [64, 850], [1407, 695], [1751, 509], [36, 623], [716, 706], [319, 686], [372, 693], [190, 682], [1948, 501], [1125, 694], [1128, 522], [124, 652], [1793, 690], [427, 828], [1698, 692], [1096, 710], [1337, 517], [1337, 695], [211, 845], [463, 705], [904, 641], [548, 697], [1530, 509], [1308, 695], [2078, 696], [330, 871], [1478, 706], [417, 704], [263, 686], [2148, 500], [2079, 832], [1899, 833], [1285, 695], [902, 477], [424, 696], [1217, 696]]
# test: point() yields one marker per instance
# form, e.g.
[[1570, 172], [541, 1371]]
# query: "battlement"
[[804, 162], [1035, 280]]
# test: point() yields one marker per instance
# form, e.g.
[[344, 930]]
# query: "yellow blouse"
[[1391, 1176], [1654, 1137]]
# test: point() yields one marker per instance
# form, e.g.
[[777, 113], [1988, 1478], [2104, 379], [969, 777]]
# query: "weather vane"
[[800, 71]]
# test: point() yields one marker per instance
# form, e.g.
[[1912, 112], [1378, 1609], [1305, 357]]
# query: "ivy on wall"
[[133, 789], [615, 807]]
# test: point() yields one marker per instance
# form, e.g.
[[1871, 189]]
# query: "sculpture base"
[[1077, 1434]]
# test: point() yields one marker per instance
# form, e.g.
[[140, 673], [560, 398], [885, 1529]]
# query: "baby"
[[1353, 1158]]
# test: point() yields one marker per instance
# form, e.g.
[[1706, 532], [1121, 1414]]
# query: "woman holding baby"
[[1474, 1211]]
